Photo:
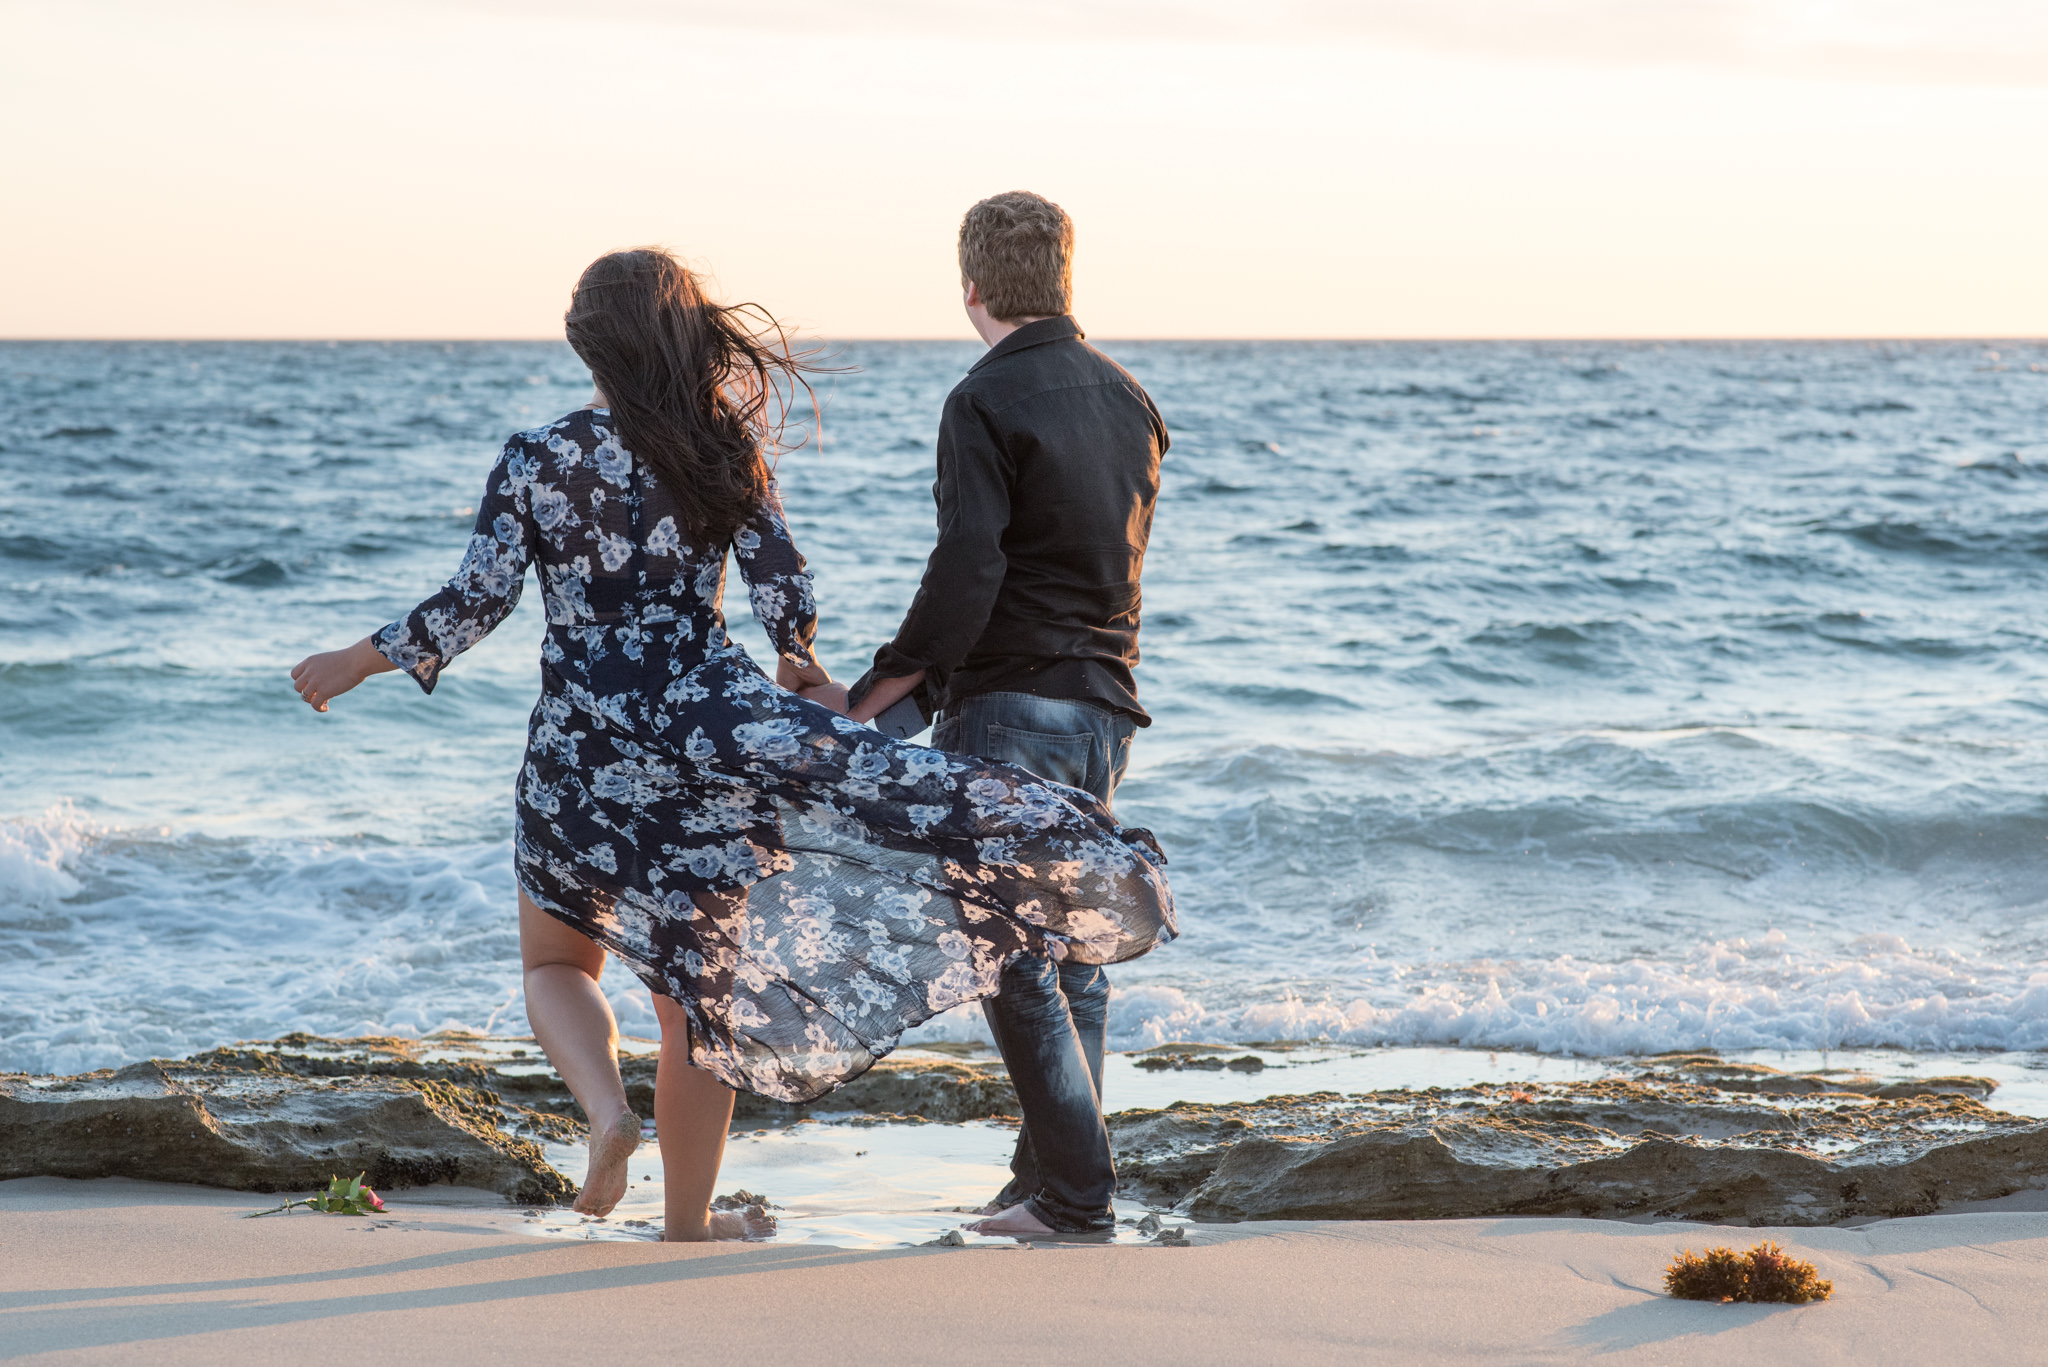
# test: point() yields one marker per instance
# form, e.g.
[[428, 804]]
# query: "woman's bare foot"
[[749, 1225], [610, 1154], [752, 1223]]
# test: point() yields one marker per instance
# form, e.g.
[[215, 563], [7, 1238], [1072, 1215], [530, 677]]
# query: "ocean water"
[[1579, 698]]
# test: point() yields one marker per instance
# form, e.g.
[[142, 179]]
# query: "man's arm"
[[966, 568], [883, 694]]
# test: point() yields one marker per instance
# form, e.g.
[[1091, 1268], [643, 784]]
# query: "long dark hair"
[[690, 382]]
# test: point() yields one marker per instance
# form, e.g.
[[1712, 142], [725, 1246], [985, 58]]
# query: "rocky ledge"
[[256, 1130], [918, 1088], [286, 1116], [1686, 1136], [1691, 1138]]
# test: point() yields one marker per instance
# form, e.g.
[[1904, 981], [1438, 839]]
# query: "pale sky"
[[1319, 168]]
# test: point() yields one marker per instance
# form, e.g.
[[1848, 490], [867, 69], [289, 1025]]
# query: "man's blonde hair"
[[1018, 249]]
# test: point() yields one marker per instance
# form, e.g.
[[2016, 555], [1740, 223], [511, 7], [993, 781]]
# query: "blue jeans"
[[1049, 1019]]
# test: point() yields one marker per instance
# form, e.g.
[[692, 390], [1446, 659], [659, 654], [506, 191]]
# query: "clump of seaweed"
[[1764, 1274]]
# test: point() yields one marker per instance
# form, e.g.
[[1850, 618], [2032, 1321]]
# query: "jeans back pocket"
[[1063, 759]]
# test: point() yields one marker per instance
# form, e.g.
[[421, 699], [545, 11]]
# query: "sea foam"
[[33, 854], [152, 944], [147, 943]]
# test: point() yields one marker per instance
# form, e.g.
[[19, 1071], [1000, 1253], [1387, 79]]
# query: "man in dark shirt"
[[1022, 639]]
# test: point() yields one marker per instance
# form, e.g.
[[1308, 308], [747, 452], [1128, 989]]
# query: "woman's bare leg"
[[580, 1036], [692, 1112]]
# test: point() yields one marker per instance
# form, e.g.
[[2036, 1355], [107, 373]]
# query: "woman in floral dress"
[[796, 889]]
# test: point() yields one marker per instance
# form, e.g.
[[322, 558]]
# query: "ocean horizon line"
[[1646, 339]]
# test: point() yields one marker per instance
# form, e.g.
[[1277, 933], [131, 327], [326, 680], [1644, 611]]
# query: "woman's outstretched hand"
[[322, 678]]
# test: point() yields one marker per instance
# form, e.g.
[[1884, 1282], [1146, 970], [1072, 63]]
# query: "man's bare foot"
[[604, 1184], [748, 1225], [1017, 1222]]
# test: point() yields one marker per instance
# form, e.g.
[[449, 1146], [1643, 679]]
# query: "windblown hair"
[[689, 382], [1018, 249]]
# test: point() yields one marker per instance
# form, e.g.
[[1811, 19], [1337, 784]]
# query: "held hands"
[[797, 677], [832, 695], [810, 682], [320, 679]]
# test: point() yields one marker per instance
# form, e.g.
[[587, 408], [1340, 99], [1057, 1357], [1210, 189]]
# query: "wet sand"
[[121, 1271]]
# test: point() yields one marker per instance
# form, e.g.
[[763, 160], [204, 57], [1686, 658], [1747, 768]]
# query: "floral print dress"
[[804, 886]]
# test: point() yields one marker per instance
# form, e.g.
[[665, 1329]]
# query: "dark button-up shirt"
[[1048, 469]]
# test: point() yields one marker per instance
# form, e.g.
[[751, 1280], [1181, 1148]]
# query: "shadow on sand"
[[51, 1322]]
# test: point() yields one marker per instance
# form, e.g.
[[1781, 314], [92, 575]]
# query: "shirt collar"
[[1030, 335]]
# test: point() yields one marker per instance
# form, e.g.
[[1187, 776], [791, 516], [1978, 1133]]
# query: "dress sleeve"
[[486, 587], [778, 584]]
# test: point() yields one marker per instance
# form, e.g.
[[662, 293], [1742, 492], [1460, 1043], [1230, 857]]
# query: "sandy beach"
[[1390, 655], [123, 1271]]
